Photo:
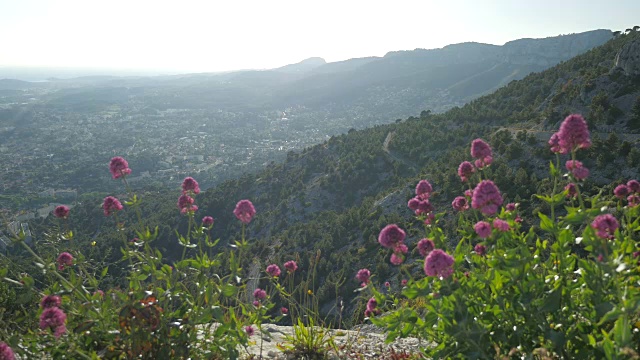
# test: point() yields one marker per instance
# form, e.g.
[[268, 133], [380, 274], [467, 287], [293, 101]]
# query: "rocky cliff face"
[[550, 51], [628, 58]]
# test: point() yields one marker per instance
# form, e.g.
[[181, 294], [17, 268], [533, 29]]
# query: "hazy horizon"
[[154, 38]]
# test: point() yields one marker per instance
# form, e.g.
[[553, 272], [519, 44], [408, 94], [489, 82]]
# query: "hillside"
[[334, 197]]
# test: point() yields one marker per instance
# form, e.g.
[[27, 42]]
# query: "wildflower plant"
[[564, 288], [164, 310]]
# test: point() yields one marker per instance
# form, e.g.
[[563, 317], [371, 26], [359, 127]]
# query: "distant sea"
[[40, 74]]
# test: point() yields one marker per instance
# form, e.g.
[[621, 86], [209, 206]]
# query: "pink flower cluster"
[[244, 211], [64, 259], [52, 317], [605, 226], [119, 167], [186, 204], [425, 246], [392, 237], [207, 221], [438, 263], [61, 212], [6, 353], [363, 276], [259, 294], [372, 307], [249, 330], [481, 151], [273, 270], [572, 190], [465, 170], [573, 135], [486, 197], [630, 190], [420, 203], [480, 249], [291, 266], [460, 203], [110, 205], [50, 301], [577, 169], [483, 229], [189, 184]]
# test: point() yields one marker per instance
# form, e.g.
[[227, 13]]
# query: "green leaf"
[[104, 272], [552, 301], [545, 223], [228, 290], [622, 331], [610, 316]]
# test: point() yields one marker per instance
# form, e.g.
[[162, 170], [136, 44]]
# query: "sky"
[[212, 35]]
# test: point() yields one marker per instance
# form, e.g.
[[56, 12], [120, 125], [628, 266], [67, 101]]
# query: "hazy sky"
[[194, 36]]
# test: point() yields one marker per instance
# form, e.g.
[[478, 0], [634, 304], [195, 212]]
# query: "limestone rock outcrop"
[[628, 58]]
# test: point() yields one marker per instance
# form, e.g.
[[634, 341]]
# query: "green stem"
[[573, 157], [60, 277]]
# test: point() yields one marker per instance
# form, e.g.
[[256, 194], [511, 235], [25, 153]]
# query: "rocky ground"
[[367, 342]]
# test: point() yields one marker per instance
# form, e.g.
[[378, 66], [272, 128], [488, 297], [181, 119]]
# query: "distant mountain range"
[[399, 84]]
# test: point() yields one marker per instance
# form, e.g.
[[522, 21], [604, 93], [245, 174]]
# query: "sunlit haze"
[[203, 36]]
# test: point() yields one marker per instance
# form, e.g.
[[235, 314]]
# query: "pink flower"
[[99, 292], [480, 249], [391, 235], [119, 167], [249, 330], [483, 229], [401, 249], [207, 221], [110, 205], [511, 207], [425, 246], [372, 305], [256, 303], [284, 310], [572, 190], [621, 191], [61, 212], [465, 170], [403, 282], [291, 266], [244, 211], [481, 151], [501, 225], [64, 259], [468, 193], [190, 184], [413, 203], [363, 276], [423, 189], [633, 200], [573, 134], [460, 203], [185, 204], [50, 301], [438, 263], [605, 226], [259, 294], [424, 207], [518, 219], [6, 353], [273, 270], [577, 169], [486, 197], [387, 284], [53, 318], [554, 142], [396, 259], [634, 186]]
